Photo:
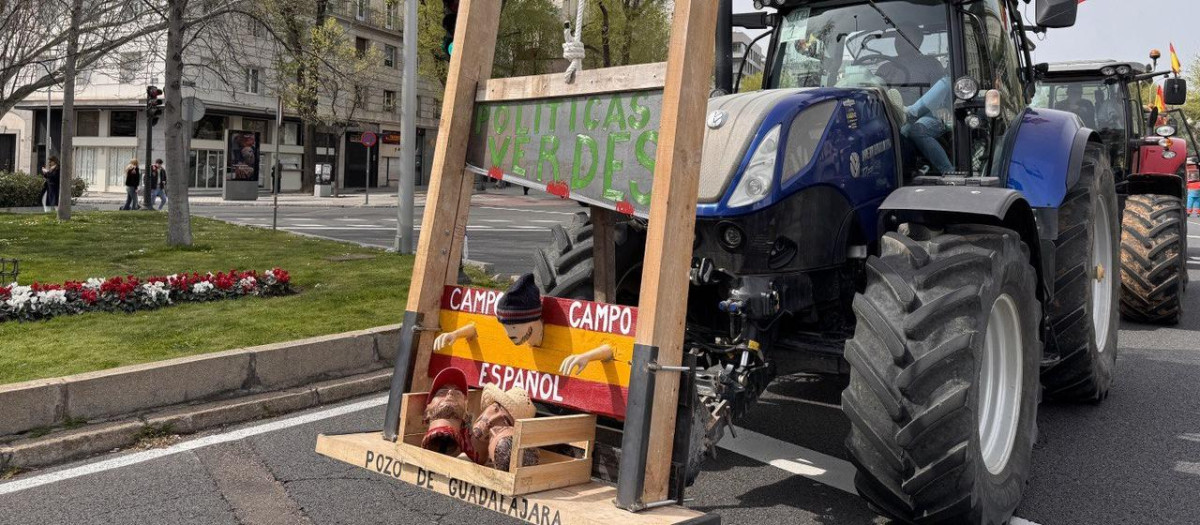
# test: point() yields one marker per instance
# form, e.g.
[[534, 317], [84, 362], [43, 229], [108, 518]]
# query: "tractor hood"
[[762, 146]]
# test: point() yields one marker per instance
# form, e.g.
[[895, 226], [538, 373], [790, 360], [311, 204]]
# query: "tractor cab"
[[1107, 97], [950, 73]]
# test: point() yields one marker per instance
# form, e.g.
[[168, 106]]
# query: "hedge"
[[21, 190]]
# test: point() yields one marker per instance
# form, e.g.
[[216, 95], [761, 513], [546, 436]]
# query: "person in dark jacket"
[[158, 183], [133, 178], [50, 172]]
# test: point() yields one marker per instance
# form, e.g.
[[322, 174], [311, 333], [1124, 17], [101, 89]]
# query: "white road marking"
[[789, 457], [836, 473], [216, 439], [543, 221], [494, 220]]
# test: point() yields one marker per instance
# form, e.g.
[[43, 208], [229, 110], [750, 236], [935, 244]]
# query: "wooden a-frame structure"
[[641, 495]]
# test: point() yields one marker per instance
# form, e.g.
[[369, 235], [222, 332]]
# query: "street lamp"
[[49, 92]]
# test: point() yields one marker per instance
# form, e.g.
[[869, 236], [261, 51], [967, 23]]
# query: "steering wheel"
[[881, 60]]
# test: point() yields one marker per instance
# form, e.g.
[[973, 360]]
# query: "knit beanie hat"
[[522, 303]]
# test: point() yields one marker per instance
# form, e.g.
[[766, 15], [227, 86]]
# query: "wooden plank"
[[449, 198], [587, 82], [540, 432], [584, 504], [662, 311], [604, 279], [545, 477]]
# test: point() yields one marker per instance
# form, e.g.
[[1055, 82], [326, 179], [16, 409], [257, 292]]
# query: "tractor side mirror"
[[1055, 14], [1175, 91]]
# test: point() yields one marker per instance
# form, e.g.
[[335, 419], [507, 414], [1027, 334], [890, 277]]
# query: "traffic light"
[[449, 21], [154, 104]]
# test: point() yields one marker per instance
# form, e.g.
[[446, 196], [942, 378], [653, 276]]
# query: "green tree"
[[529, 41], [751, 83], [623, 32]]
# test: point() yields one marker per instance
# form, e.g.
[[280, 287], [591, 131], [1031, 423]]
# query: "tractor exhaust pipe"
[[723, 73]]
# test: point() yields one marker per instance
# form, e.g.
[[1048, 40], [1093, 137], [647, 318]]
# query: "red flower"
[[90, 296]]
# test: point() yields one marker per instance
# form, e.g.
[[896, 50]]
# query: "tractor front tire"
[[1152, 259], [1084, 312], [943, 389]]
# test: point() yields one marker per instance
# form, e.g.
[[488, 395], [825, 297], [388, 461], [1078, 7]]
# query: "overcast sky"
[[1110, 29]]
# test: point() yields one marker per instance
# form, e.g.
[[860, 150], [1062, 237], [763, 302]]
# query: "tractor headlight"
[[1108, 71], [1168, 154], [756, 181], [1165, 131], [1123, 70]]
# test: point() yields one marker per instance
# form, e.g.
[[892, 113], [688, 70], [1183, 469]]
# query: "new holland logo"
[[717, 118]]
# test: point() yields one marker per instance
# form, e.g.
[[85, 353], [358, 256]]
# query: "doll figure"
[[501, 409]]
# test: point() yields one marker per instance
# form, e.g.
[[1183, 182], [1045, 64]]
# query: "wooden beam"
[[449, 198], [604, 278], [663, 300], [587, 82]]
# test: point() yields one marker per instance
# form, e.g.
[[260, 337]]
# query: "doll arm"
[[575, 363], [448, 338]]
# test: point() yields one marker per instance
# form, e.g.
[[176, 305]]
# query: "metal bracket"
[[635, 440], [653, 366], [400, 374]]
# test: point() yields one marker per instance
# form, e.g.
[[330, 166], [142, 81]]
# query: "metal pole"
[[724, 62], [147, 197], [367, 185], [277, 174], [406, 197], [46, 160]]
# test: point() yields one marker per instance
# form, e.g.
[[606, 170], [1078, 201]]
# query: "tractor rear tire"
[[1152, 259], [564, 268], [1084, 312], [944, 362]]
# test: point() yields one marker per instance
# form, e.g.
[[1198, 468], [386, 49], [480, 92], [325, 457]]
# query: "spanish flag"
[[1159, 100], [1176, 67]]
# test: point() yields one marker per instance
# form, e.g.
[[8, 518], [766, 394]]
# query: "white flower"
[[93, 283], [157, 292], [202, 287], [20, 298], [247, 283], [53, 297]]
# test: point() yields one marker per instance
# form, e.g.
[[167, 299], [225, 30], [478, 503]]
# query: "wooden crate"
[[553, 470]]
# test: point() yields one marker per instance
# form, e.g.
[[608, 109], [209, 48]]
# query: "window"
[[87, 124], [122, 124], [252, 75], [389, 55], [390, 20], [389, 101], [211, 127], [291, 134], [360, 11], [128, 67], [361, 45], [264, 131]]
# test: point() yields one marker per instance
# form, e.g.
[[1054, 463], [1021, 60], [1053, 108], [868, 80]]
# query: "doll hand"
[[574, 364], [444, 340]]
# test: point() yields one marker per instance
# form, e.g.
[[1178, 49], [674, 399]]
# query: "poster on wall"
[[243, 155]]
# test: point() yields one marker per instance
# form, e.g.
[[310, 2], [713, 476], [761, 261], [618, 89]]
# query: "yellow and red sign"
[[571, 327]]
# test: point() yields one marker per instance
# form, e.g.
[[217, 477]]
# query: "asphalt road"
[[1133, 459], [503, 226]]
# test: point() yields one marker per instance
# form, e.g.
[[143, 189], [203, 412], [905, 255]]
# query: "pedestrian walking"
[[133, 177], [158, 183], [50, 172], [1193, 187]]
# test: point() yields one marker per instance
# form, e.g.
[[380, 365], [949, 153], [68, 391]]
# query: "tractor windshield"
[[901, 46], [1098, 103]]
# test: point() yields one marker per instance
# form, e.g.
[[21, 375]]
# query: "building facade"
[[238, 95], [752, 56]]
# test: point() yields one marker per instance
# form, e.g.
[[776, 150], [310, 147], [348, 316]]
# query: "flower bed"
[[130, 294]]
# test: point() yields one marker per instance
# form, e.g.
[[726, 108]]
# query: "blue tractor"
[[890, 208]]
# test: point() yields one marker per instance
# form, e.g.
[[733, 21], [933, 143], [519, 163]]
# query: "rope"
[[573, 49]]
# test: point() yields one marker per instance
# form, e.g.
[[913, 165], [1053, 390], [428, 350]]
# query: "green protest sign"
[[597, 149]]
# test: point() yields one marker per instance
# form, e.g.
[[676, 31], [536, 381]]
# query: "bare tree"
[[179, 224]]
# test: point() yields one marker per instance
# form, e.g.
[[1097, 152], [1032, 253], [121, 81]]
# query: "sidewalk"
[[355, 198]]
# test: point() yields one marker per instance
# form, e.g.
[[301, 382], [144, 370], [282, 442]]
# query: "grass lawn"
[[342, 287]]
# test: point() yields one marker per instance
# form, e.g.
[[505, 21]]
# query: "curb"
[[35, 406], [67, 445]]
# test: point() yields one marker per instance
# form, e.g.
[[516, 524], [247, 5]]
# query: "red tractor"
[[1149, 160]]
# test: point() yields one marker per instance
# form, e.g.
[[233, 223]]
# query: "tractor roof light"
[[756, 181], [1124, 70], [1108, 71], [966, 88]]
